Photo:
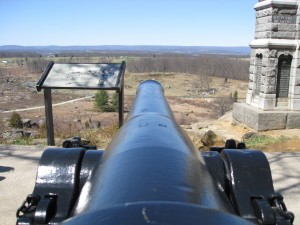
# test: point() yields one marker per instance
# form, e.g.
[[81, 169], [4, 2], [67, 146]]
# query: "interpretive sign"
[[96, 76], [82, 76], [283, 79]]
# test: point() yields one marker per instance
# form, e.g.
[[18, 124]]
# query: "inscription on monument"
[[284, 19], [258, 74], [283, 79]]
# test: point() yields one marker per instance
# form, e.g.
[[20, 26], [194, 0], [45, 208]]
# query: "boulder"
[[34, 125], [77, 120], [15, 134], [26, 123], [209, 138], [249, 135], [41, 123]]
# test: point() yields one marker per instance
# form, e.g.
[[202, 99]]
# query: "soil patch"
[[287, 146]]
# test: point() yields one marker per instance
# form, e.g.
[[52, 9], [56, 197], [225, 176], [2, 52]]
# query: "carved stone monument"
[[273, 97]]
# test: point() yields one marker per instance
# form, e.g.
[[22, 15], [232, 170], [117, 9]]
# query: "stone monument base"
[[261, 120]]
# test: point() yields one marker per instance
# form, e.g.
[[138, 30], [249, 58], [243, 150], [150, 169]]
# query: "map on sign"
[[83, 76]]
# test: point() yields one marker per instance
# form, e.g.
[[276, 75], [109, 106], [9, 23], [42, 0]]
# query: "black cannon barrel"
[[150, 161]]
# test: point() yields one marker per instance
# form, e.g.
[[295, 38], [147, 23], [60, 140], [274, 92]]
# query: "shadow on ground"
[[14, 152], [282, 172], [4, 169]]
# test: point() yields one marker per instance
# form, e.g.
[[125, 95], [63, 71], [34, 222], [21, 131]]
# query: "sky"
[[130, 22]]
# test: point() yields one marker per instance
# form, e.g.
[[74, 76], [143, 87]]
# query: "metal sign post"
[[49, 116], [121, 104]]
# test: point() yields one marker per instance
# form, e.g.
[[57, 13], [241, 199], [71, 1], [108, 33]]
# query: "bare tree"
[[224, 104], [148, 65], [36, 65], [164, 65]]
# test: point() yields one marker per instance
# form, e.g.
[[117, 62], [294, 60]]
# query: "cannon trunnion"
[[152, 174]]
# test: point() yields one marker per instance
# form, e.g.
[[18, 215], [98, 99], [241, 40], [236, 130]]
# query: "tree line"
[[35, 64], [228, 67]]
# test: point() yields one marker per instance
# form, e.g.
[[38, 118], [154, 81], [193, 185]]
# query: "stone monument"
[[273, 97]]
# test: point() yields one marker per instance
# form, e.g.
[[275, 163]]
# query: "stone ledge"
[[293, 121], [265, 120], [273, 3], [277, 43]]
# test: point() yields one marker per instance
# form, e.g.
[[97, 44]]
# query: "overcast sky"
[[130, 22]]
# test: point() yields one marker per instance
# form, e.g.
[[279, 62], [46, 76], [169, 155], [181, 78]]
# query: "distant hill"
[[242, 50]]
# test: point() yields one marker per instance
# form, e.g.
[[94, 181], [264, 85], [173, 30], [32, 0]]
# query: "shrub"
[[15, 120], [235, 96], [224, 104], [103, 104], [22, 141], [101, 101], [100, 137]]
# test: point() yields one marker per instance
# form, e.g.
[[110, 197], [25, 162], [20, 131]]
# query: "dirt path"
[[42, 107]]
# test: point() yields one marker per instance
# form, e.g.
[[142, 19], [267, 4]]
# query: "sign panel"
[[258, 75], [283, 79], [289, 19], [83, 76]]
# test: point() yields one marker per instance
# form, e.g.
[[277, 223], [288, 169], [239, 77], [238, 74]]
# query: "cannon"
[[151, 173]]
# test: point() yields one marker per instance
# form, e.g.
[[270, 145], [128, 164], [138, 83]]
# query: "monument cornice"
[[277, 43], [274, 3]]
